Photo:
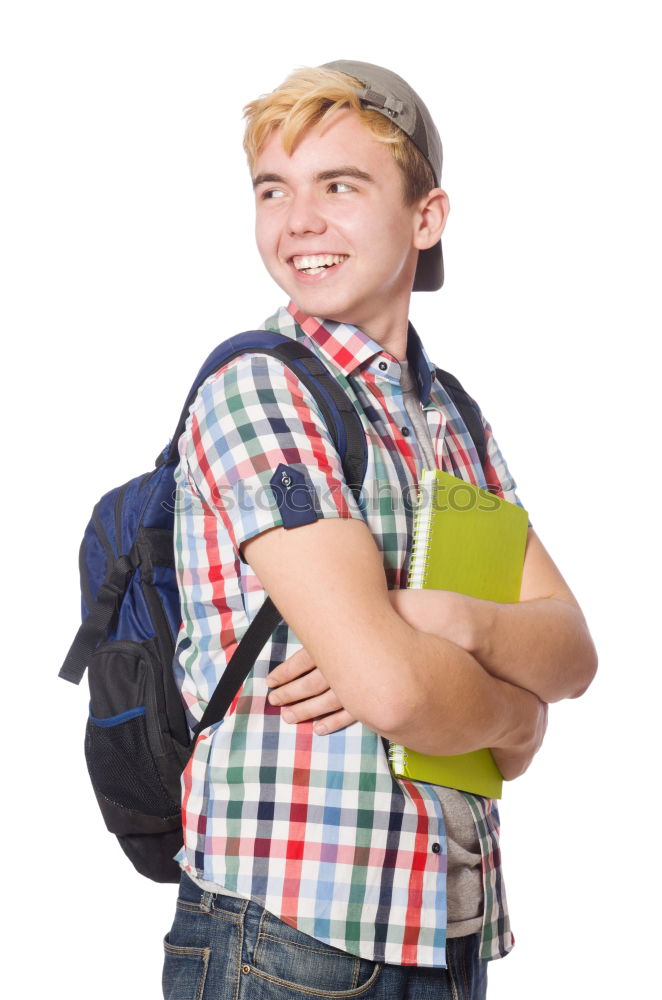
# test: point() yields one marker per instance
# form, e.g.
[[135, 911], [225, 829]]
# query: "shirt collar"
[[349, 348], [343, 344], [421, 365]]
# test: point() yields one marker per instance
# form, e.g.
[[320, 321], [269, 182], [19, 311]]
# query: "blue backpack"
[[137, 738]]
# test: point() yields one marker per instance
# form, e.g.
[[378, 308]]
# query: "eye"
[[340, 187], [271, 193]]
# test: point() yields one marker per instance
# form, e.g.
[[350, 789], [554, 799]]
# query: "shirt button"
[[436, 848], [383, 366], [405, 431]]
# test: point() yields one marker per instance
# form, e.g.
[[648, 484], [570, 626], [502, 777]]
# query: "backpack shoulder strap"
[[344, 425], [468, 410], [95, 627], [339, 413]]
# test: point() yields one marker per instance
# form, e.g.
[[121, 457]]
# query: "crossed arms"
[[439, 672]]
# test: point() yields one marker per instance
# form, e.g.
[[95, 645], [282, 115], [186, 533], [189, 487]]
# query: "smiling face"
[[332, 227]]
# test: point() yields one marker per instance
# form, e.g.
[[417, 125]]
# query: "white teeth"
[[314, 263]]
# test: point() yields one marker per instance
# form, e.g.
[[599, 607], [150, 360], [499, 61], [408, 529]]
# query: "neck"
[[388, 330], [391, 337]]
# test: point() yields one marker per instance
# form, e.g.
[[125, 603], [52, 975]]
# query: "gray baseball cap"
[[386, 92]]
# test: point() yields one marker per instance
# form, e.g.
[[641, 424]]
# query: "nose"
[[304, 214]]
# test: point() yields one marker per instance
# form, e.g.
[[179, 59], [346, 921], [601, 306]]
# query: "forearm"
[[543, 645], [446, 704], [452, 705]]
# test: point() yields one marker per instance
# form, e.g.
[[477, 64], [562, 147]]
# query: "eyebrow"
[[323, 175]]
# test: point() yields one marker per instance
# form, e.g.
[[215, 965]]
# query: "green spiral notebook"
[[472, 542]]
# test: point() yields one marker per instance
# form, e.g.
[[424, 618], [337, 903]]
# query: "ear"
[[431, 218]]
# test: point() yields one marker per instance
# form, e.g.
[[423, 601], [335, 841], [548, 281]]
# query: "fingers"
[[332, 723], [311, 708], [300, 687], [299, 663], [307, 686]]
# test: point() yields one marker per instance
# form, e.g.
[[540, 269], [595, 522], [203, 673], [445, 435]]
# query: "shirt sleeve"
[[497, 474], [259, 453]]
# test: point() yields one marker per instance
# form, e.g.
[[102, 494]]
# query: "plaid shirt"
[[314, 828]]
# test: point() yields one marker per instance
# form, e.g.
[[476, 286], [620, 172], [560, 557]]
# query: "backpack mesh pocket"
[[124, 745], [122, 766]]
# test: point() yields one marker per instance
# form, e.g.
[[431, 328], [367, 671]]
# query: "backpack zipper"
[[102, 536], [153, 730], [119, 500]]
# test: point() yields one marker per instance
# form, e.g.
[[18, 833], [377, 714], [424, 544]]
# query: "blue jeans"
[[222, 948]]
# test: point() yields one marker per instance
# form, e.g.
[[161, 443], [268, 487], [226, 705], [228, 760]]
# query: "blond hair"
[[307, 99]]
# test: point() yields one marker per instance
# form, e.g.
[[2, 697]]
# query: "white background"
[[127, 254]]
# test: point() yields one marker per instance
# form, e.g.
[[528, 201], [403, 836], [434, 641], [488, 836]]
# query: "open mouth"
[[317, 263]]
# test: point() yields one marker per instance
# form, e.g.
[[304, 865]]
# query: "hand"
[[299, 686], [455, 617], [514, 761]]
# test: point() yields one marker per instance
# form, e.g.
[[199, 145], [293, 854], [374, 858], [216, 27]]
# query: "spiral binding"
[[422, 534], [418, 567], [398, 758]]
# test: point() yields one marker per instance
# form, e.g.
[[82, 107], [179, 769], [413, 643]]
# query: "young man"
[[308, 870]]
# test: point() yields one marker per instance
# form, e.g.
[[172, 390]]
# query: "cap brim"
[[429, 275]]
